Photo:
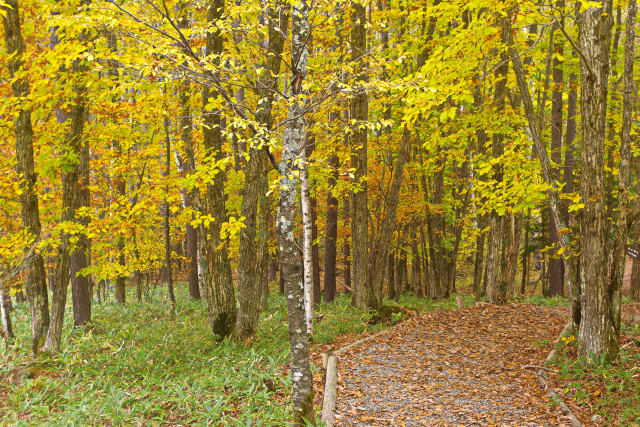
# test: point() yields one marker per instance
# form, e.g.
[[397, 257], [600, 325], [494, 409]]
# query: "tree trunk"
[[496, 286], [294, 138], [556, 266], [167, 230], [36, 283], [5, 318], [331, 233], [598, 335], [364, 295], [380, 250], [624, 180], [347, 248], [307, 246], [214, 260], [74, 143], [189, 165], [80, 259], [248, 273]]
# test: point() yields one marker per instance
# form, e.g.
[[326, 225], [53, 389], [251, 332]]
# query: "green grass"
[[143, 364], [547, 301]]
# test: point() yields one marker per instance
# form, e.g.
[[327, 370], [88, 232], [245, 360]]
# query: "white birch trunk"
[[305, 202]]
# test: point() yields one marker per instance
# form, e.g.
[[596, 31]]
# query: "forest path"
[[461, 367]]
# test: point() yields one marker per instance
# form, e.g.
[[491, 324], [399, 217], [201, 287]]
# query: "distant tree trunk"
[[80, 258], [417, 271], [263, 243], [382, 243], [525, 255], [347, 248], [36, 283], [391, 268], [74, 143], [214, 261], [363, 295], [624, 179], [167, 230], [5, 318], [556, 266], [331, 234], [315, 252], [303, 413], [479, 261], [189, 165], [248, 273], [598, 334], [496, 287]]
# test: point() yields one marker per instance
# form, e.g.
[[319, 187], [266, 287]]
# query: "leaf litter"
[[460, 367]]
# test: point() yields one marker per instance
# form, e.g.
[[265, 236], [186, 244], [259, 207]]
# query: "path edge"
[[330, 397], [544, 382]]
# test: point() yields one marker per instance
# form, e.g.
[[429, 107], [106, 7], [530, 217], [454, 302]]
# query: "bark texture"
[[36, 284], [598, 335], [214, 259], [291, 263]]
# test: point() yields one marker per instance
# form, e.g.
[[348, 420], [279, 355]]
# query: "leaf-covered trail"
[[463, 367]]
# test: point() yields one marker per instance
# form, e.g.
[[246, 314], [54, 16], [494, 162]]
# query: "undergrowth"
[[146, 364], [610, 391]]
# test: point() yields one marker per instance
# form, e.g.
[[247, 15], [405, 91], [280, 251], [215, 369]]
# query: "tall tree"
[[248, 273], [598, 335], [294, 139], [36, 279], [216, 268], [363, 295]]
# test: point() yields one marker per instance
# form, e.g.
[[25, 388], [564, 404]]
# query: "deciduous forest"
[[311, 212]]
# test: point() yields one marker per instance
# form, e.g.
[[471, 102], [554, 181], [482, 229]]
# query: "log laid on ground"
[[330, 392]]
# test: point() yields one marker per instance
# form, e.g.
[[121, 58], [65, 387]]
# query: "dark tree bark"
[[331, 234], [363, 295], [80, 258], [214, 259], [556, 266], [248, 271], [496, 286], [36, 283], [347, 248], [168, 271], [74, 142], [189, 166]]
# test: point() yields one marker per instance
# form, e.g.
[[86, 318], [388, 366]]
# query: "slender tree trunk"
[[635, 280], [307, 246], [331, 234], [81, 256], [36, 283], [624, 180], [294, 138], [189, 165], [379, 253], [598, 334], [167, 230], [556, 266], [347, 248], [315, 252], [534, 128], [364, 295], [5, 318]]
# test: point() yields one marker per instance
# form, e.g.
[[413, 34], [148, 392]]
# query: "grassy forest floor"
[[143, 363]]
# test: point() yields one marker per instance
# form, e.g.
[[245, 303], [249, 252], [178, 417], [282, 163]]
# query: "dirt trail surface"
[[464, 367]]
